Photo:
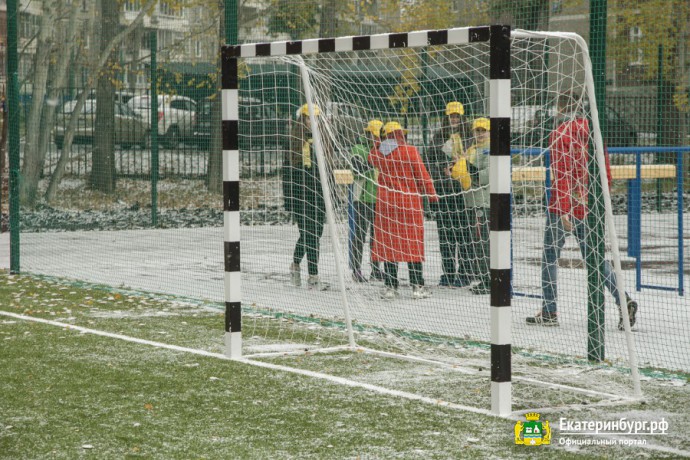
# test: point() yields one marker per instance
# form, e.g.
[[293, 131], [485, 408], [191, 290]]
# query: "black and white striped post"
[[500, 184], [498, 38], [231, 202]]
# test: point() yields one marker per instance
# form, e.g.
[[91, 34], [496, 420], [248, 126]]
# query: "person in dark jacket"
[[452, 220], [304, 198], [364, 202], [475, 170]]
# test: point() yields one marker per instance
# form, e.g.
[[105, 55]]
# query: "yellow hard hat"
[[374, 127], [483, 123], [455, 107], [393, 126], [304, 110]]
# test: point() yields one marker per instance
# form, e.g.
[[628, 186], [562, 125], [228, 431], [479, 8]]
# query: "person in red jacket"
[[567, 208], [399, 221]]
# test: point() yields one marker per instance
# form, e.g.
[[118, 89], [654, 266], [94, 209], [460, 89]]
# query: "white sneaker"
[[295, 276], [389, 294], [314, 283], [420, 292]]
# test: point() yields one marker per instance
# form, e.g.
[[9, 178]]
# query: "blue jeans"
[[554, 239]]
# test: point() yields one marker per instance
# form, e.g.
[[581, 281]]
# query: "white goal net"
[[366, 212]]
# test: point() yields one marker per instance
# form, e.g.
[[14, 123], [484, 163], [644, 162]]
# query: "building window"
[[28, 25], [132, 5], [197, 46], [167, 10], [635, 34], [636, 55], [142, 78]]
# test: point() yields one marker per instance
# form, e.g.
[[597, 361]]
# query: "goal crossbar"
[[498, 38]]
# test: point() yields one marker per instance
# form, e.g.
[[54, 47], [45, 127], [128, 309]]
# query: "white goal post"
[[601, 161], [427, 69]]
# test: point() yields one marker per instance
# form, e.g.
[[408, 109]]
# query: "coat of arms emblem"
[[532, 432]]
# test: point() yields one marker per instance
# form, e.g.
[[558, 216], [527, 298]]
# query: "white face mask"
[[481, 135], [387, 146]]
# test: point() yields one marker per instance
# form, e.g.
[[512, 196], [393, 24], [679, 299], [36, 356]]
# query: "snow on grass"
[[106, 392], [188, 263]]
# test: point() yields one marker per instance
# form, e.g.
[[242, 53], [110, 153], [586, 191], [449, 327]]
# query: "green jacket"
[[365, 175], [478, 163], [301, 180]]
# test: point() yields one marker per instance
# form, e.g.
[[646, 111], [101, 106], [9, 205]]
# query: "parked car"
[[521, 124], [120, 96], [522, 116], [176, 117], [130, 128], [260, 126], [619, 132], [348, 123], [202, 124]]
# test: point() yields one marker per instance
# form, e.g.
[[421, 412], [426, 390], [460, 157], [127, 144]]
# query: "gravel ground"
[[187, 204]]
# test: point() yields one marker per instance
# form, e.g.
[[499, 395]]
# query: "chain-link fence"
[[117, 115]]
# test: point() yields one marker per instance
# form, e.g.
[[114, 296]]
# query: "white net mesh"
[[420, 202]]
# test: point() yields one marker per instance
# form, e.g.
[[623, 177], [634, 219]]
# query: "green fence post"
[[13, 130], [154, 128], [425, 112], [595, 218], [660, 157], [230, 22]]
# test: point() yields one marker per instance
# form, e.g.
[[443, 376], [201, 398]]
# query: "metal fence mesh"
[[95, 150]]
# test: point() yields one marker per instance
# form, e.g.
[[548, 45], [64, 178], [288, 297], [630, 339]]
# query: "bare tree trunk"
[[3, 136], [681, 70], [214, 177], [4, 181], [59, 170], [528, 14], [58, 78], [69, 132], [33, 166], [328, 19], [102, 175]]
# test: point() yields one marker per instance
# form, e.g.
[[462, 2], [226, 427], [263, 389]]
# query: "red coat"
[[399, 221], [569, 144]]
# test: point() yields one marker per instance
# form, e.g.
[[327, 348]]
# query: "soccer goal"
[[299, 184]]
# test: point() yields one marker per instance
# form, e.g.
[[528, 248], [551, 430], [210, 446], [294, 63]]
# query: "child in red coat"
[[399, 223]]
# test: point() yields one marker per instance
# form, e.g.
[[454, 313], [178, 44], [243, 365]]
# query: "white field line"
[[611, 399], [317, 375], [276, 354], [614, 399]]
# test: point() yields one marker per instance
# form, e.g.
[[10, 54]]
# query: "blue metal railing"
[[635, 212], [634, 207]]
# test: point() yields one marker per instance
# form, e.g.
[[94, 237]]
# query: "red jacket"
[[399, 221], [569, 176]]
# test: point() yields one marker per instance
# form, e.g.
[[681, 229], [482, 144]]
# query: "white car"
[[522, 117], [176, 116], [130, 129]]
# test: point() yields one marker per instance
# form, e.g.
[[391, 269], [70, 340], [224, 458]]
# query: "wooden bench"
[[343, 176], [618, 172], [538, 173]]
